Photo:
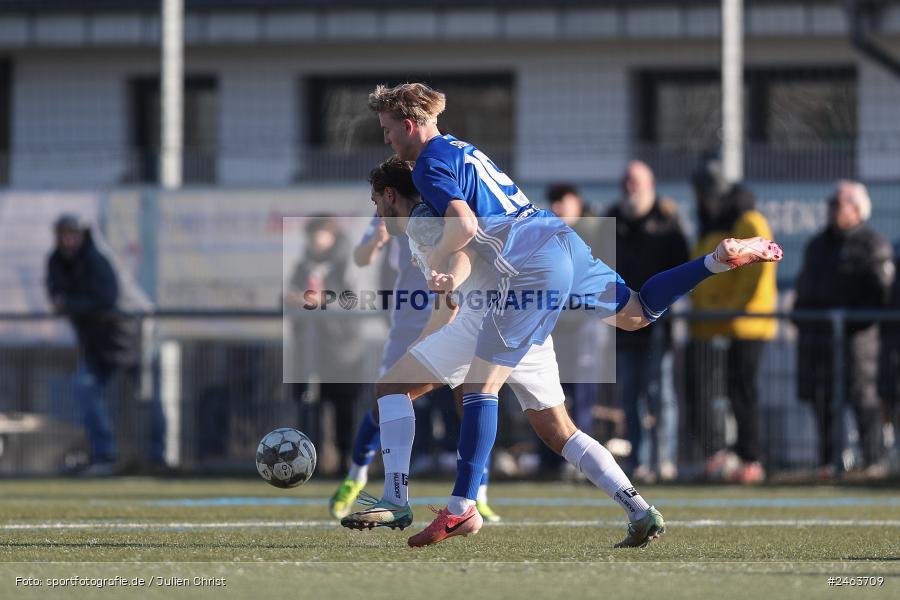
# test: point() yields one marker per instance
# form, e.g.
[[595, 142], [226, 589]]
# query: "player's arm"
[[437, 183], [445, 309], [367, 249], [459, 267], [460, 225]]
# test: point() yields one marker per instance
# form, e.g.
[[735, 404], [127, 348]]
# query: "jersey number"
[[493, 179]]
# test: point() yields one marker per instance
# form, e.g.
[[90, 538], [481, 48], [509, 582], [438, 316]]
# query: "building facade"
[[275, 90]]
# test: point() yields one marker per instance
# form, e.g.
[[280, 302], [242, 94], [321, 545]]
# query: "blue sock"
[[663, 289], [367, 440], [477, 433]]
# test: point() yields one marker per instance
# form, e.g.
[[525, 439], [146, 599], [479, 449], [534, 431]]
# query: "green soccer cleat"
[[487, 512], [379, 513], [644, 530], [341, 502]]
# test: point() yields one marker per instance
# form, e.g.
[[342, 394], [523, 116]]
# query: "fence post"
[[838, 321]]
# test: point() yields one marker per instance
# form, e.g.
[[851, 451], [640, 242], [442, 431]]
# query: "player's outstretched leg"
[[663, 289], [555, 428], [365, 444], [598, 465], [736, 252], [398, 426]]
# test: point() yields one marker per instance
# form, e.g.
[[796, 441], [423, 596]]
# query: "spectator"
[[889, 364], [649, 239], [728, 211], [848, 265], [82, 284], [339, 346]]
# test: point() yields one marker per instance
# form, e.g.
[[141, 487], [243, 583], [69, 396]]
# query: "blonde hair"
[[415, 101]]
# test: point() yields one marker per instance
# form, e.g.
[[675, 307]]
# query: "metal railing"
[[217, 376]]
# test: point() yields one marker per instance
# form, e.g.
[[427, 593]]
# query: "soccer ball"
[[285, 458]]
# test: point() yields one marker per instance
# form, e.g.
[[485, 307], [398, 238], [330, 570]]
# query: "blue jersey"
[[510, 227], [406, 321]]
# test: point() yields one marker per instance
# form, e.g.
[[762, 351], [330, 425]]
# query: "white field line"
[[327, 524]]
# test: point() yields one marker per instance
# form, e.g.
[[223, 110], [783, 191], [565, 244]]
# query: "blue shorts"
[[561, 275]]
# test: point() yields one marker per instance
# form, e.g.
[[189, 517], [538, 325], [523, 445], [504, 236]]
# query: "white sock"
[[588, 456], [459, 505], [359, 473], [714, 266], [398, 429], [482, 493]]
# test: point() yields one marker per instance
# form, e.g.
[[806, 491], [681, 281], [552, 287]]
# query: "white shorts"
[[448, 353]]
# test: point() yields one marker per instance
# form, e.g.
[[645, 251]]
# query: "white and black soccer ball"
[[286, 458]]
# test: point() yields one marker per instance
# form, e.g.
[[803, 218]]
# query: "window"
[[345, 140], [200, 130], [799, 123]]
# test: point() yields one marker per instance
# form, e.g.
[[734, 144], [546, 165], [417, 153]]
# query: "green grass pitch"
[[555, 541]]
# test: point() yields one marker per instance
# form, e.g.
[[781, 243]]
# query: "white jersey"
[[482, 279], [448, 352]]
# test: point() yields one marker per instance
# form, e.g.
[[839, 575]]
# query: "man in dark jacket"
[[649, 240], [849, 265], [82, 284], [889, 366]]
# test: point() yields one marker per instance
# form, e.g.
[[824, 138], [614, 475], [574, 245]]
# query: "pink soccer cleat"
[[737, 253], [445, 525]]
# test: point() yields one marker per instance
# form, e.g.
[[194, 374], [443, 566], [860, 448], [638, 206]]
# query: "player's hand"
[[381, 235], [441, 282]]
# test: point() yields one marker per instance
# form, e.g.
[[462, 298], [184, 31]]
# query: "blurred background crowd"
[[706, 415]]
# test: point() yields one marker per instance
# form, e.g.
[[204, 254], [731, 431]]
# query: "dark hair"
[[319, 222], [394, 173], [708, 179], [721, 213], [558, 191], [68, 221]]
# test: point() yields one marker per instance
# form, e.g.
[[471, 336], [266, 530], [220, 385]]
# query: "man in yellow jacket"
[[729, 213]]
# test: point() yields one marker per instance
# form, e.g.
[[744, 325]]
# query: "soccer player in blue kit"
[[533, 252]]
